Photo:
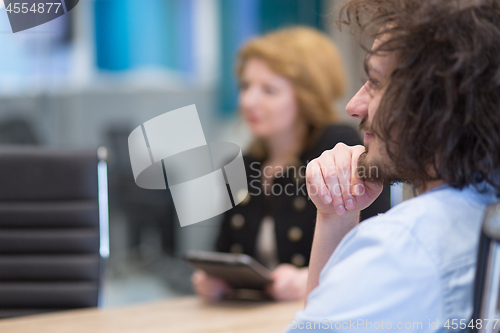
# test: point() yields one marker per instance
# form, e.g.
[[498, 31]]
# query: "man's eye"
[[373, 83]]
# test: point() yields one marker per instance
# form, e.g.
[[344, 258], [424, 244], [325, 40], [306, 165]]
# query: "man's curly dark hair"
[[441, 107]]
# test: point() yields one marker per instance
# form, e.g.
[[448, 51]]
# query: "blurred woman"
[[289, 82]]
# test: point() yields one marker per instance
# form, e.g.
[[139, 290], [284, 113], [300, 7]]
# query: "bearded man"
[[430, 110]]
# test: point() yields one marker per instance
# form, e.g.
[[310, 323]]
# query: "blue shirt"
[[411, 268]]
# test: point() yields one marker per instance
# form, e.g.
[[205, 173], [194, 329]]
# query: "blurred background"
[[90, 77]]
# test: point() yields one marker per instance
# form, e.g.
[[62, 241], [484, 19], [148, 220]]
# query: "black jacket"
[[294, 214]]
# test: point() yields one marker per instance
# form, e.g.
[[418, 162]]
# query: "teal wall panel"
[[147, 33]]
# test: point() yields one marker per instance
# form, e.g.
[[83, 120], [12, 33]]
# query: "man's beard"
[[377, 171]]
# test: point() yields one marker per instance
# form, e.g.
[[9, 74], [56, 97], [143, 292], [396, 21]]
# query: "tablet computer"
[[238, 270]]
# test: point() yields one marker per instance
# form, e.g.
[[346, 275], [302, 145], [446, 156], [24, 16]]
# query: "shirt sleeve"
[[379, 277]]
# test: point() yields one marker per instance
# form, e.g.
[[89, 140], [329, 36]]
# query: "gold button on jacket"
[[298, 260], [299, 203], [236, 248], [244, 197], [294, 234], [237, 221]]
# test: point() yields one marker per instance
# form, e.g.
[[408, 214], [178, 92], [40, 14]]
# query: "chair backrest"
[[53, 229], [487, 282]]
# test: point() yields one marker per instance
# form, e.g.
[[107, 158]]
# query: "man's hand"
[[289, 283], [333, 183], [339, 195]]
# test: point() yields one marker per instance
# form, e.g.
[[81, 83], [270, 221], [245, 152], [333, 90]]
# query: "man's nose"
[[358, 105]]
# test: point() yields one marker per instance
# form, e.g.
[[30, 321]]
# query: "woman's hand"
[[210, 288], [333, 183], [289, 283]]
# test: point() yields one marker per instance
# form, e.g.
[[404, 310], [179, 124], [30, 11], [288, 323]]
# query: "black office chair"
[[17, 131], [143, 208], [487, 283], [53, 229]]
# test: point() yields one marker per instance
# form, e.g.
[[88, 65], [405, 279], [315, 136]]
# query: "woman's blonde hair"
[[312, 63]]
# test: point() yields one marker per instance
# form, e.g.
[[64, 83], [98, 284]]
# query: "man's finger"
[[329, 173], [343, 163], [316, 186]]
